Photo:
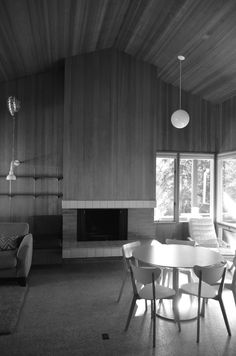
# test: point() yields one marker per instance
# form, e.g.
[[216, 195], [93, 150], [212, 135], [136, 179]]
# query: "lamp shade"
[[11, 176], [180, 119]]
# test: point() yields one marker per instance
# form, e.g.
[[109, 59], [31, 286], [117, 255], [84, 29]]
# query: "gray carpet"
[[11, 301]]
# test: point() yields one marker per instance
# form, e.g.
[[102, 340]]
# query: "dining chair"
[[127, 250], [231, 284], [186, 271], [151, 290], [127, 255], [206, 288]]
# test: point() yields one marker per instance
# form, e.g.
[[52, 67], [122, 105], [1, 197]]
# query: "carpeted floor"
[[69, 308], [11, 302]]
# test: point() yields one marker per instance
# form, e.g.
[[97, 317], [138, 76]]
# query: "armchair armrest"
[[222, 243], [191, 239], [24, 256]]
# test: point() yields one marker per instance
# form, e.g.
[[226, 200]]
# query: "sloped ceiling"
[[38, 34]]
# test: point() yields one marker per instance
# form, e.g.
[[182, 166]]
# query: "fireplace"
[[102, 224]]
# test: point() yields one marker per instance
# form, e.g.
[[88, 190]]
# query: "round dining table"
[[176, 257]]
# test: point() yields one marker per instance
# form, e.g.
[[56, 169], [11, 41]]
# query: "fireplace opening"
[[102, 224]]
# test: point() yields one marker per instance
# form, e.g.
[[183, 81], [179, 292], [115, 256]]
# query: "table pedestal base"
[[187, 309]]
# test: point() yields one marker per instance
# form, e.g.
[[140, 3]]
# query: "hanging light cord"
[[180, 82]]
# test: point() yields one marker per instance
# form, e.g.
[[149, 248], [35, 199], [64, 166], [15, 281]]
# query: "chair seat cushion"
[[8, 259], [207, 291], [161, 292]]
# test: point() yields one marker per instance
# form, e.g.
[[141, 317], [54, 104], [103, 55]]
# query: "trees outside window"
[[165, 188], [227, 188], [184, 186], [195, 187]]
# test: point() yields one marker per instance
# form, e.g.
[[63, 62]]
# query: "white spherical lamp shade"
[[180, 119]]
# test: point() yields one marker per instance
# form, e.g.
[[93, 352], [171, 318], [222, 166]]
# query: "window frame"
[[219, 158], [187, 155]]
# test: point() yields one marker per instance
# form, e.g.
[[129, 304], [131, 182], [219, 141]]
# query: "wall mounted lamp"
[[13, 106], [11, 175]]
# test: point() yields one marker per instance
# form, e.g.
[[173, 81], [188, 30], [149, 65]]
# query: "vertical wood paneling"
[[198, 136], [117, 115], [38, 144], [141, 224], [227, 126], [108, 150]]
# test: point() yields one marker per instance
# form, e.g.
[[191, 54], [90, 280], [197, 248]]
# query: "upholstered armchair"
[[202, 231], [15, 261]]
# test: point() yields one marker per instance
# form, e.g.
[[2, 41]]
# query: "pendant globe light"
[[180, 118]]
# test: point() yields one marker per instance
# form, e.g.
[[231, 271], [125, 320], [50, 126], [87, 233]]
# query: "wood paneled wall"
[[227, 126], [198, 136], [108, 128], [117, 115], [38, 145]]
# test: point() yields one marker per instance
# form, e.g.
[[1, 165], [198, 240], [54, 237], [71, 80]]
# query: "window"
[[184, 186], [165, 188], [226, 207]]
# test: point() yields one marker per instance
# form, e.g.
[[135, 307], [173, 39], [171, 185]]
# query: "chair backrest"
[[211, 274], [202, 230], [9, 229], [143, 275], [180, 242], [127, 253], [127, 249]]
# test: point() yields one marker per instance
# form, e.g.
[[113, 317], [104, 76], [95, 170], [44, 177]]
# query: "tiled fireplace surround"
[[140, 226]]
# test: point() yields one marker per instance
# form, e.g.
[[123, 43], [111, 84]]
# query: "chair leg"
[[224, 316], [164, 275], [189, 277], [190, 280], [231, 267], [198, 319], [146, 305], [122, 287], [169, 276], [176, 311], [154, 323], [203, 306], [132, 306]]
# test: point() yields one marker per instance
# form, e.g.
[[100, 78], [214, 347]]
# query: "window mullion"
[[176, 201]]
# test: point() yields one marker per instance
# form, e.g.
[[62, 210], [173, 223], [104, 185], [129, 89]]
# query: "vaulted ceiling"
[[37, 34]]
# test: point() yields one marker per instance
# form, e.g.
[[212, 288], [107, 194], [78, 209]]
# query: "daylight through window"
[[184, 186]]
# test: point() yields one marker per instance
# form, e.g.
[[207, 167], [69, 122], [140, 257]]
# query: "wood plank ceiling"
[[37, 34]]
